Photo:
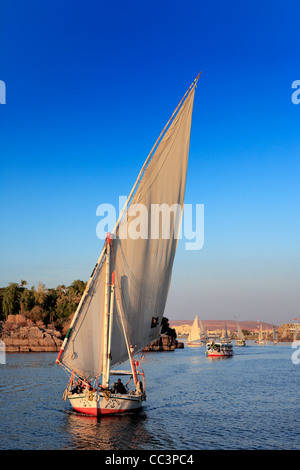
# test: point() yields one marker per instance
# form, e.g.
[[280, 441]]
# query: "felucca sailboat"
[[261, 339], [275, 339], [194, 335], [122, 307], [203, 334], [240, 336]]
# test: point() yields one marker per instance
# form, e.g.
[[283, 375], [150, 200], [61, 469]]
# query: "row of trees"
[[41, 304]]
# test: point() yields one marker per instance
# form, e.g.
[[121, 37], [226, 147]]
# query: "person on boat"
[[78, 387], [119, 387]]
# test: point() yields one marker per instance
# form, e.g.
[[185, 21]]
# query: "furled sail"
[[142, 265]]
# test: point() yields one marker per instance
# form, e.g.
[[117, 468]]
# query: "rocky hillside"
[[164, 343], [21, 334]]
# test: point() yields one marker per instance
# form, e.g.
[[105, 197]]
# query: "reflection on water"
[[107, 433]]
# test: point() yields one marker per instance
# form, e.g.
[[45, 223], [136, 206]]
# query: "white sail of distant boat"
[[194, 334], [260, 334], [275, 339], [122, 307], [295, 336], [224, 335], [261, 339], [266, 335], [284, 333], [240, 336]]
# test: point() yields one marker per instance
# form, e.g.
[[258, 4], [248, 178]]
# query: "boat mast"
[[127, 341], [110, 324], [105, 373]]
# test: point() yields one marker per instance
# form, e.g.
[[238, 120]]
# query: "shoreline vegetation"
[[40, 304]]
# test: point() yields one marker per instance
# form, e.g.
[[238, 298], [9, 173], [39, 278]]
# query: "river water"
[[249, 401]]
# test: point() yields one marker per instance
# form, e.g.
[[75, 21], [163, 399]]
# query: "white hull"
[[195, 343], [97, 404]]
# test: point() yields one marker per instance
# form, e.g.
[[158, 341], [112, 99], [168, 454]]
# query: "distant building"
[[288, 328], [182, 330]]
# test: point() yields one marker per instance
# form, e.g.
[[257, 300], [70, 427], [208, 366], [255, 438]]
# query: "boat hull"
[[219, 349], [219, 354], [97, 404]]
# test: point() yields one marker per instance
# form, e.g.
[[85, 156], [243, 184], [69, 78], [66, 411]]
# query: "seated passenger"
[[119, 387], [77, 388]]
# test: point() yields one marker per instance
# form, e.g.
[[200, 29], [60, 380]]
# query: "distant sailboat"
[[122, 307], [241, 338], [295, 336], [203, 334], [222, 348], [261, 339], [218, 349], [284, 333], [224, 336], [275, 339], [194, 335]]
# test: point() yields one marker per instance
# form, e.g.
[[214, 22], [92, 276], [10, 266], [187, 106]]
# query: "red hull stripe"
[[97, 411], [219, 355]]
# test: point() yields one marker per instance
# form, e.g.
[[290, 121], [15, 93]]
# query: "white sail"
[[203, 333], [260, 333], [284, 333], [240, 334], [295, 336], [84, 352], [142, 266], [194, 334], [225, 333]]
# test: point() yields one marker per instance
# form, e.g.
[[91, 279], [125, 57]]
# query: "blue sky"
[[89, 87]]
